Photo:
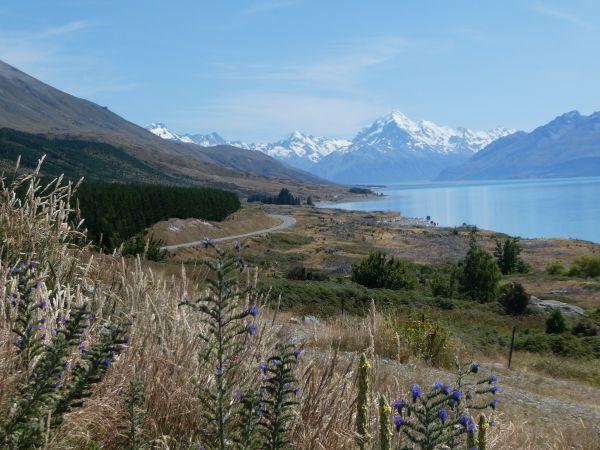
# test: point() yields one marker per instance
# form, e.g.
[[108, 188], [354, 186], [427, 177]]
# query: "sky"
[[256, 70]]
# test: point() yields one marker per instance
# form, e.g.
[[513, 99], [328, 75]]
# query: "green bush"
[[507, 257], [302, 273], [479, 275], [586, 267], [558, 344], [514, 298], [556, 268], [380, 271], [144, 245], [556, 323]]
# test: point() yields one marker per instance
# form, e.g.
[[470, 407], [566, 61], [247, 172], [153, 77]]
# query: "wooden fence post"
[[512, 344]]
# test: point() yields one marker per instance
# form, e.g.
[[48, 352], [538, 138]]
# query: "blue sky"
[[256, 70]]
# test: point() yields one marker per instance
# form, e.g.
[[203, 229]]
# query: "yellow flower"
[[485, 425], [387, 408], [366, 365]]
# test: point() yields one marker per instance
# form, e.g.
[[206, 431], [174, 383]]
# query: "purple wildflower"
[[465, 420], [32, 265], [471, 427], [296, 389], [494, 403], [446, 389], [238, 394], [494, 389], [398, 405], [251, 329], [297, 352], [204, 242], [106, 361], [262, 391], [56, 384], [456, 395], [254, 311], [443, 415], [13, 303], [398, 422], [493, 378], [263, 367], [42, 304], [475, 367], [437, 385], [416, 391], [452, 402], [237, 246], [218, 372]]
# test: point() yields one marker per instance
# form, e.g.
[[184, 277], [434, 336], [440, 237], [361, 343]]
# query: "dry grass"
[[164, 345]]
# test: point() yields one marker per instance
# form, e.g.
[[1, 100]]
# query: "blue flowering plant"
[[55, 373], [229, 326], [441, 416]]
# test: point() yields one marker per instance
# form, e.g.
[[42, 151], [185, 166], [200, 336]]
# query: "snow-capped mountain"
[[393, 148], [160, 129], [205, 140], [298, 149], [396, 148], [395, 131]]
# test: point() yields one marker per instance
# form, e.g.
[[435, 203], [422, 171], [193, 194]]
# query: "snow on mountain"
[[393, 148], [162, 131], [205, 140], [396, 132]]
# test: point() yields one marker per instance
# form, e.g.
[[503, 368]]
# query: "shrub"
[[556, 268], [426, 340], [301, 273], [585, 328], [507, 257], [380, 271], [514, 299], [441, 286], [147, 246], [479, 275], [565, 345], [556, 323], [586, 267]]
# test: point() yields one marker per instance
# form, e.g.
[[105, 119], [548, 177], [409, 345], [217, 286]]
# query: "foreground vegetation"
[[199, 360]]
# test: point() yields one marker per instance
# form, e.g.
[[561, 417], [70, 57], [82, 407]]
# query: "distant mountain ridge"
[[393, 148], [568, 146]]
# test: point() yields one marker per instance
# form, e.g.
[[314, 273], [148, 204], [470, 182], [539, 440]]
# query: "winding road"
[[286, 222]]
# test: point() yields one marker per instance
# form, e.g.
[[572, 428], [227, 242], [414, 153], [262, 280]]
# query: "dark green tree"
[[556, 323], [514, 299], [479, 275], [380, 271], [507, 255]]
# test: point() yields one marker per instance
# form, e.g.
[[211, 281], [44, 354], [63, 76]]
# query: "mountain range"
[[394, 148], [83, 138], [568, 146]]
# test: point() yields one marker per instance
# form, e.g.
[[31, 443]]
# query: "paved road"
[[286, 222]]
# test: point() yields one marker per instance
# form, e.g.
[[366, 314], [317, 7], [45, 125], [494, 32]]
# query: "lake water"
[[526, 208]]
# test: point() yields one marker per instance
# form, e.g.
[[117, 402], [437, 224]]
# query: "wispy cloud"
[[268, 5], [567, 17], [339, 69], [62, 30]]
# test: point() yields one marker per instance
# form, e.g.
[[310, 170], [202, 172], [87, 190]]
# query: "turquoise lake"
[[526, 208]]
